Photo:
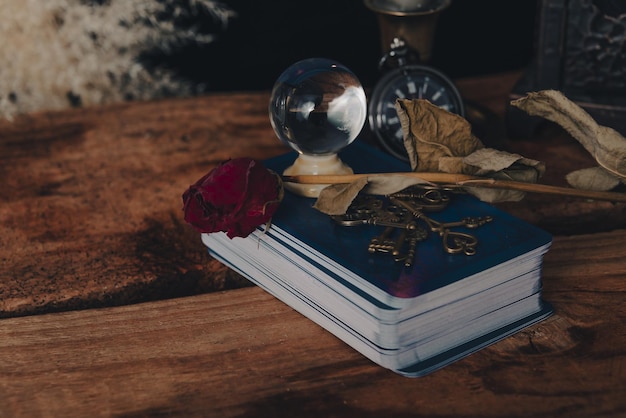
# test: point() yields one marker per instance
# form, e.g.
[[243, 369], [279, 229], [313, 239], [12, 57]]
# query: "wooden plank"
[[244, 353], [91, 211]]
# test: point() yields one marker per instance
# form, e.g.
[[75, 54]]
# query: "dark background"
[[473, 37]]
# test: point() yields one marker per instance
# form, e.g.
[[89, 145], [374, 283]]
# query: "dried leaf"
[[389, 183], [594, 178], [501, 165], [455, 165], [431, 133], [440, 141], [489, 160], [495, 195], [336, 198], [605, 144]]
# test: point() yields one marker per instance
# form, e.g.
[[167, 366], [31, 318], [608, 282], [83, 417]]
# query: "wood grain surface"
[[112, 306], [91, 211], [242, 353]]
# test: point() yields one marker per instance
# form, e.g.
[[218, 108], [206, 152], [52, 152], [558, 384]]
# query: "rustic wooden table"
[[112, 307]]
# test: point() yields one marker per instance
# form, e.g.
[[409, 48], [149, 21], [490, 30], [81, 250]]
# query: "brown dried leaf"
[[438, 140], [389, 183], [490, 160], [431, 133], [594, 178], [336, 198], [455, 165], [501, 165], [605, 144], [495, 195]]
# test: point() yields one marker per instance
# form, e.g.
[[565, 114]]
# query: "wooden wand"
[[462, 180]]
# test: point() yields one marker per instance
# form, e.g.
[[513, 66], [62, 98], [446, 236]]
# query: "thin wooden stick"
[[462, 180]]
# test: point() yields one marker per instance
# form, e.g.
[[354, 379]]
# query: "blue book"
[[412, 320]]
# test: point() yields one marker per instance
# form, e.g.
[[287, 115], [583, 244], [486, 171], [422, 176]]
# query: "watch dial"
[[411, 82]]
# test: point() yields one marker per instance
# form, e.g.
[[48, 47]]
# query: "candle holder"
[[414, 21]]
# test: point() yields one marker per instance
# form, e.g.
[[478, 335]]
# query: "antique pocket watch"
[[407, 79]]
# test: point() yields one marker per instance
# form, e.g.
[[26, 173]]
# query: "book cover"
[[343, 250]]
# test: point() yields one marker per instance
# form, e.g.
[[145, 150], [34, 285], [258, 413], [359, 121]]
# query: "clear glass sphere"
[[317, 107]]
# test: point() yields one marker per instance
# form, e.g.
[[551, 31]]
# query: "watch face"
[[409, 82]]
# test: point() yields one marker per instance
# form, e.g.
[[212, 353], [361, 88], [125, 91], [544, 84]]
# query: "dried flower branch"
[[58, 53]]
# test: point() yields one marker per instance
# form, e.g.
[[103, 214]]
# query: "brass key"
[[371, 212], [413, 238], [384, 242], [468, 222], [426, 198], [453, 242], [400, 213], [388, 242]]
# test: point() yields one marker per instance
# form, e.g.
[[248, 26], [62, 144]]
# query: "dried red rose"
[[235, 197]]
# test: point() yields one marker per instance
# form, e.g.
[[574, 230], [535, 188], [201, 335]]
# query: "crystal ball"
[[317, 106]]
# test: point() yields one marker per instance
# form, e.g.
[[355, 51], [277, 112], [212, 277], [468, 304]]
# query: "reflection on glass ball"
[[317, 106]]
